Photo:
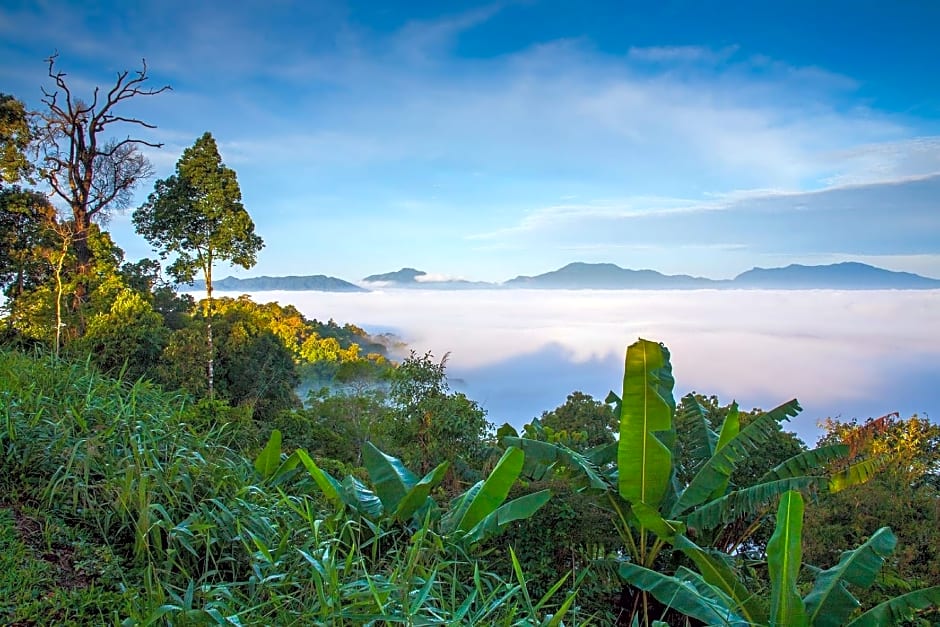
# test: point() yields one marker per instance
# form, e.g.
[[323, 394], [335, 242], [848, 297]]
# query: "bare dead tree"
[[86, 167]]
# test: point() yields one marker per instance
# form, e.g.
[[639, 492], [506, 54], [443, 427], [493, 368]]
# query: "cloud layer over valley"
[[519, 352]]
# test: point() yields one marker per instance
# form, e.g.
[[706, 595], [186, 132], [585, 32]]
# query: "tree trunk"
[[211, 364], [83, 256]]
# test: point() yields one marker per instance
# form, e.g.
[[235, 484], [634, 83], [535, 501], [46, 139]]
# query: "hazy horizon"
[[431, 276], [854, 354]]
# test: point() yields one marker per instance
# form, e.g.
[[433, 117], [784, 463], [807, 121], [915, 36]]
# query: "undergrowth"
[[115, 509]]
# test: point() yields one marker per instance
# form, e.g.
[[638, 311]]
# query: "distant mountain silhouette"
[[607, 276], [844, 276], [405, 275], [316, 283], [408, 277]]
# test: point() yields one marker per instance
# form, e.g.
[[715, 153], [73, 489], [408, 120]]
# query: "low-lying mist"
[[520, 352]]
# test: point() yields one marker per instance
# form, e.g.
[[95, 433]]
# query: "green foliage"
[[585, 421], [26, 218], [128, 337], [477, 514], [428, 424], [904, 494], [653, 509], [183, 531], [829, 603], [252, 366], [830, 598], [15, 138], [784, 558], [643, 458], [52, 572], [197, 215]]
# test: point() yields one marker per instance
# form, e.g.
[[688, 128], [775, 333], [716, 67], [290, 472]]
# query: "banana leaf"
[[517, 509], [716, 569], [331, 488], [492, 492], [650, 519], [458, 507], [900, 608], [730, 428], [806, 462], [269, 458], [391, 481], [718, 469], [644, 461], [855, 474], [680, 595], [419, 493], [361, 498], [702, 440], [784, 557], [830, 603], [744, 503], [542, 458]]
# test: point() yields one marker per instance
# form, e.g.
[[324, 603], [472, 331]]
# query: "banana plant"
[[636, 478], [830, 602], [398, 495]]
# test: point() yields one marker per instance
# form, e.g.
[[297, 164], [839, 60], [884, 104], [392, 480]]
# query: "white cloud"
[[681, 54], [525, 349]]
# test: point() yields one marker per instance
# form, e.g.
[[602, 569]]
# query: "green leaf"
[[603, 454], [458, 507], [744, 503], [679, 595], [644, 462], [270, 457], [717, 571], [390, 479], [730, 428], [330, 487], [292, 461], [702, 440], [517, 509], [418, 495], [557, 620], [650, 519], [856, 474], [361, 498], [830, 603], [494, 490], [544, 457], [806, 462], [716, 471], [895, 611], [784, 557]]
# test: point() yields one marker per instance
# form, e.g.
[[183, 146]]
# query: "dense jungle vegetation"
[[171, 461]]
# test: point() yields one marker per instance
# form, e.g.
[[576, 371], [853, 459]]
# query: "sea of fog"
[[848, 354]]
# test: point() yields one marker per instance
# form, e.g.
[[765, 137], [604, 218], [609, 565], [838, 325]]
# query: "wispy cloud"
[[848, 220], [331, 107]]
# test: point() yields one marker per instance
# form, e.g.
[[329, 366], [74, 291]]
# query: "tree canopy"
[[197, 215]]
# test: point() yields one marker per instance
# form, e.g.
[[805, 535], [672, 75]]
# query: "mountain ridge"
[[306, 283], [849, 275]]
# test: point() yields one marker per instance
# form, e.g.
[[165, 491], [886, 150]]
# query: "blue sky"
[[488, 140]]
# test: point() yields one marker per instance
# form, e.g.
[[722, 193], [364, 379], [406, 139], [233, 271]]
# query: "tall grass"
[[205, 540]]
